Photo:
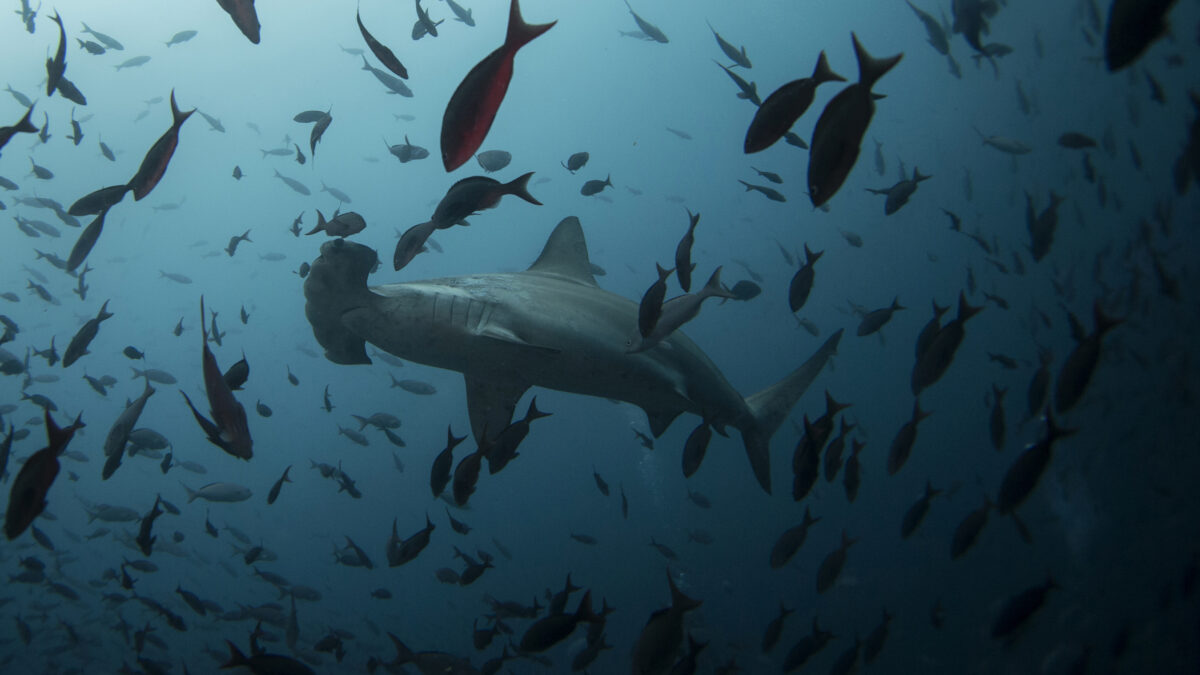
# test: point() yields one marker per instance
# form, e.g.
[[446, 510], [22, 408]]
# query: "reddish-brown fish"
[[472, 108], [228, 429], [154, 165], [244, 17]]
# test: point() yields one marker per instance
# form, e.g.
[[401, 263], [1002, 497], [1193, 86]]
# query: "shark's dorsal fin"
[[565, 254], [490, 404]]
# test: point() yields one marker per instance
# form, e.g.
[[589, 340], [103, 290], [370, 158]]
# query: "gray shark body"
[[548, 326]]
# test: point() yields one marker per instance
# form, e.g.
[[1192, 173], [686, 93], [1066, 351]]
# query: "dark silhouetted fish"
[[837, 137], [661, 637], [683, 255], [27, 496], [154, 165], [802, 282], [905, 438], [937, 34], [737, 56], [916, 513], [342, 225], [472, 107], [595, 186], [474, 194], [228, 428], [574, 163], [1021, 607], [99, 201], [87, 240], [968, 529], [381, 51], [784, 106], [791, 540], [1133, 25], [651, 305], [79, 343], [806, 648], [898, 194], [1077, 370], [650, 30], [937, 356]]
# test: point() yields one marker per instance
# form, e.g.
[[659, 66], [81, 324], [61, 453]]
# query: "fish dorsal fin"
[[565, 254]]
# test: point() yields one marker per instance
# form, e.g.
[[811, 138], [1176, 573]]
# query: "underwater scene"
[[599, 336]]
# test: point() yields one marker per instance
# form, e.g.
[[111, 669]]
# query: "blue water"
[[1113, 519]]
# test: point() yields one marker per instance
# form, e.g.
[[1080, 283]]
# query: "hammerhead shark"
[[550, 326]]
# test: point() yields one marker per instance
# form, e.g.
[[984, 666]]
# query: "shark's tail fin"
[[337, 283], [770, 406]]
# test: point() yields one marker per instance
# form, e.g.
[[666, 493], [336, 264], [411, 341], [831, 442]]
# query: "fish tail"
[[714, 289], [823, 73], [519, 187], [533, 412], [25, 125], [1104, 323], [769, 407], [966, 311], [403, 653], [192, 494], [521, 33], [236, 657], [870, 69], [178, 117]]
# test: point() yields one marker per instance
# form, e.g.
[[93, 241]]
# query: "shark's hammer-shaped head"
[[336, 284]]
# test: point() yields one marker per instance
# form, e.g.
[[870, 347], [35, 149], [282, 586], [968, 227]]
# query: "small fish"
[[576, 161], [381, 51], [274, 493], [133, 62], [493, 160], [181, 37], [594, 186], [783, 107], [876, 319], [769, 193], [292, 183]]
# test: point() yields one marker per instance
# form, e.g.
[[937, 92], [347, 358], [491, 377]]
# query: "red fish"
[[154, 165], [472, 108], [228, 429], [27, 499]]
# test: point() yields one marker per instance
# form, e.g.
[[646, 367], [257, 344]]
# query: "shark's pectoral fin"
[[490, 404], [505, 334], [660, 419]]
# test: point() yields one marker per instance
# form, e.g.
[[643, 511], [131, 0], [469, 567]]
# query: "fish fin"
[[769, 407], [660, 419], [565, 254], [335, 287], [491, 403], [520, 33]]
